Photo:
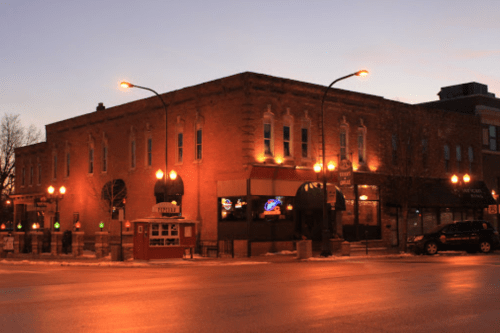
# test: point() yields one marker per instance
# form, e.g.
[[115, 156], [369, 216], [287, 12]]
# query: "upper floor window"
[[39, 174], [447, 158], [343, 142], [104, 158], [492, 137], [91, 144], [362, 145], [394, 143], [268, 132], [459, 157], [179, 128], [180, 147], [471, 158], [425, 153], [23, 176], [91, 160], [305, 142], [54, 167], [132, 154], [198, 139], [67, 164], [31, 175], [198, 144], [286, 141], [267, 139], [149, 151]]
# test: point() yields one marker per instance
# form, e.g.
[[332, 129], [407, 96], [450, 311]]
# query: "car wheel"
[[431, 248], [485, 246]]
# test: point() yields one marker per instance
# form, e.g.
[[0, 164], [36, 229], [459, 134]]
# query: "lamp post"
[[56, 196], [325, 235], [458, 184], [125, 84]]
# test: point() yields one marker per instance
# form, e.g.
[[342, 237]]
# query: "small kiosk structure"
[[162, 236]]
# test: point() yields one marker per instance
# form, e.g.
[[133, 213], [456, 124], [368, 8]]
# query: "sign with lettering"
[[345, 173], [492, 209], [331, 192], [166, 207]]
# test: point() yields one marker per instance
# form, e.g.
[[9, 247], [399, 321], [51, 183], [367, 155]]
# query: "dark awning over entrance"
[[443, 194], [310, 196]]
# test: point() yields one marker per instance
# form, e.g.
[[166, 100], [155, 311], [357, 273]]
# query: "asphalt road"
[[416, 294]]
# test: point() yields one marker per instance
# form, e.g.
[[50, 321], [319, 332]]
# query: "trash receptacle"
[[346, 248], [304, 249]]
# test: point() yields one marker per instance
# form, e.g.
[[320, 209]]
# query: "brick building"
[[243, 148], [473, 98]]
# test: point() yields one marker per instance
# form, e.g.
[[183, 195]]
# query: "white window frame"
[[164, 234]]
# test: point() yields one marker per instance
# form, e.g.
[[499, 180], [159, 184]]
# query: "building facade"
[[243, 148], [473, 98]]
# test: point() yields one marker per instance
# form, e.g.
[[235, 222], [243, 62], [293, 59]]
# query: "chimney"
[[100, 107]]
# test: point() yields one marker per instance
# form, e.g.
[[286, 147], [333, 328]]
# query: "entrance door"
[[141, 241]]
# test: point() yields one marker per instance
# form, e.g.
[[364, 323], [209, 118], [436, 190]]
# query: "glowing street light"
[[458, 185], [325, 236], [56, 197]]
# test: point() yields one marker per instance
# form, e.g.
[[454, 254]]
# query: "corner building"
[[244, 148]]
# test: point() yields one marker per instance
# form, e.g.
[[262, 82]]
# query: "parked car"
[[470, 236]]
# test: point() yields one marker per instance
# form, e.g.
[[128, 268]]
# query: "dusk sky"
[[60, 58]]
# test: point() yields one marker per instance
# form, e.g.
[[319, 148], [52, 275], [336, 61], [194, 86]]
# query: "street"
[[414, 294]]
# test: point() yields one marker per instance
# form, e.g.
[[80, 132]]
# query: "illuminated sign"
[[226, 203], [271, 204], [166, 207]]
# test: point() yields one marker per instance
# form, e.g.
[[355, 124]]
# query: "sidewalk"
[[89, 259]]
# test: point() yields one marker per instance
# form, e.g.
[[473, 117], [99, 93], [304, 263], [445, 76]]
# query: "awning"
[[310, 196], [443, 194], [283, 173]]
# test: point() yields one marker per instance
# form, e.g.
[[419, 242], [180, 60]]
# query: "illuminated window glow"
[[164, 234]]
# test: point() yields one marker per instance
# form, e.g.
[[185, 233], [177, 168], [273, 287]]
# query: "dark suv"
[[471, 236]]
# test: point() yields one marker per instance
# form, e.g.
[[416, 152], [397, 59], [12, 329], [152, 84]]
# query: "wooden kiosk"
[[161, 237]]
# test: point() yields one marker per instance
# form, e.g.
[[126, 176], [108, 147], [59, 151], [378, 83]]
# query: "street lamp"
[[458, 184], [172, 175], [56, 197], [125, 84], [325, 236]]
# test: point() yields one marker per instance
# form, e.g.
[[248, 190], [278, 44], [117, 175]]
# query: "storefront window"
[[232, 209], [164, 234], [266, 208]]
